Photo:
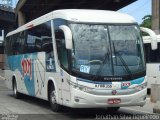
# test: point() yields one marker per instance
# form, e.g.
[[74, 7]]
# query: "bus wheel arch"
[[52, 96]]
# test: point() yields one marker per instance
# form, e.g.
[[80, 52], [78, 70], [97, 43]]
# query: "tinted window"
[[9, 43], [152, 56], [39, 39], [1, 48], [35, 39]]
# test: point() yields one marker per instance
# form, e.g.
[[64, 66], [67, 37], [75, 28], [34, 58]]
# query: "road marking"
[[2, 78]]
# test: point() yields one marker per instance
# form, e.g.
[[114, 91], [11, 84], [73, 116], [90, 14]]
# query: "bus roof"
[[79, 15], [147, 39]]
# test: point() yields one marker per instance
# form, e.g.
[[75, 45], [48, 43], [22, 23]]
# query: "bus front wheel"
[[52, 99], [17, 95]]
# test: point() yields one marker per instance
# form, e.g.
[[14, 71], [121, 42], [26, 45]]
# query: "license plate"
[[103, 85], [114, 101]]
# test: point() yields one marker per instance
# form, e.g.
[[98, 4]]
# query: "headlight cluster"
[[84, 89], [141, 87], [80, 87]]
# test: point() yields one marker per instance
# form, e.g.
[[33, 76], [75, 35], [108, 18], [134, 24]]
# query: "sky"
[[5, 2], [138, 9]]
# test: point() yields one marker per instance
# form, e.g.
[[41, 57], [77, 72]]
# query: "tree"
[[147, 21]]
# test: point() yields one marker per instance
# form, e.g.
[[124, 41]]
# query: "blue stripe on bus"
[[15, 63], [138, 81]]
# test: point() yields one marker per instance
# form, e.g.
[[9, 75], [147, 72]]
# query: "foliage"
[[147, 22]]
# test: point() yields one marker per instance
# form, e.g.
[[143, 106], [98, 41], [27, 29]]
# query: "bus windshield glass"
[[107, 50]]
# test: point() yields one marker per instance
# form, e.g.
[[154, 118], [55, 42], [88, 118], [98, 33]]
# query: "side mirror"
[[67, 35], [152, 35]]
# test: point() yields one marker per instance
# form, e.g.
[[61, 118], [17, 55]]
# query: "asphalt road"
[[30, 108]]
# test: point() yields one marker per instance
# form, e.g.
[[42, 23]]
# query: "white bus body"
[[152, 61], [2, 36], [103, 65]]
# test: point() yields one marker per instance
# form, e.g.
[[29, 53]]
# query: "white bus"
[[152, 61], [79, 59]]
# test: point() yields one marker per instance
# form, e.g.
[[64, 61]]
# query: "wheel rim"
[[53, 97]]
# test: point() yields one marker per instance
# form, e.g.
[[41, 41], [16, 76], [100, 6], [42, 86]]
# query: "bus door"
[[63, 59], [65, 87]]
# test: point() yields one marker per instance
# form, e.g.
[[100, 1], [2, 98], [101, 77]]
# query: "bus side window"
[[16, 44], [15, 48], [39, 38], [47, 45], [38, 44]]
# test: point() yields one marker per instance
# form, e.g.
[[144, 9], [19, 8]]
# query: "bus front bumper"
[[80, 99]]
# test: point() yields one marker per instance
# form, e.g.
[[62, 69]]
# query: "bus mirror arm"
[[152, 35], [67, 35]]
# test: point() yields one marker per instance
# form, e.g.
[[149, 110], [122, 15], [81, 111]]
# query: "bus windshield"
[[107, 50]]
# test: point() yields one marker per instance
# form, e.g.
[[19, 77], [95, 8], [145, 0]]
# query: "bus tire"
[[17, 95], [52, 99]]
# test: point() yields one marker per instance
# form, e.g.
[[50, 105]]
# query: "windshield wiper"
[[101, 66], [123, 61], [125, 65]]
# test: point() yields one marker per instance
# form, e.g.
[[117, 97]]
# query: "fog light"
[[76, 100]]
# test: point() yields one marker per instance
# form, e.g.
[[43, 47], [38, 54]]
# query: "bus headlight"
[[80, 87], [84, 89], [141, 87]]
